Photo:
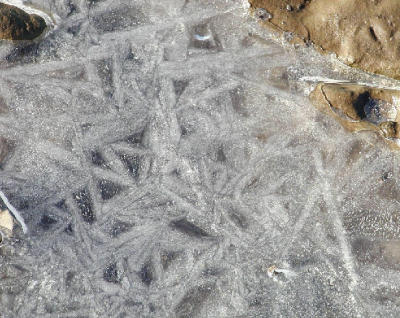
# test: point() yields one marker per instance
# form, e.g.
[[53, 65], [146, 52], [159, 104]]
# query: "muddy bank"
[[363, 33]]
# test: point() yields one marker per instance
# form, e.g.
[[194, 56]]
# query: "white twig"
[[14, 212]]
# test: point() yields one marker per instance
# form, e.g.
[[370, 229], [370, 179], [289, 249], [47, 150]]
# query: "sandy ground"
[[362, 33]]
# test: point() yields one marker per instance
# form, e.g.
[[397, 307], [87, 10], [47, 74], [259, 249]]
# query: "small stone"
[[271, 270], [16, 24], [263, 14], [378, 111], [288, 36], [360, 107], [6, 221], [389, 129]]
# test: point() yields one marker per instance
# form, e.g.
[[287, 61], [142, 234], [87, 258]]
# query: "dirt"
[[362, 33]]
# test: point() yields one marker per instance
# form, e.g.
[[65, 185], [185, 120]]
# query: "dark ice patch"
[[239, 220], [179, 87], [191, 304], [46, 221], [84, 203], [167, 258], [146, 274], [115, 19], [97, 159], [108, 189], [119, 228], [131, 163], [188, 228], [111, 274]]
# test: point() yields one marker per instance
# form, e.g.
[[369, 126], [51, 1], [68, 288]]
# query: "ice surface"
[[168, 163]]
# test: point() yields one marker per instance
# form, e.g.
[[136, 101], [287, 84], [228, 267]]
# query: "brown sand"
[[363, 33]]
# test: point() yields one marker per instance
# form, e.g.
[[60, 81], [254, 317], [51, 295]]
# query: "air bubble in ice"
[[200, 37]]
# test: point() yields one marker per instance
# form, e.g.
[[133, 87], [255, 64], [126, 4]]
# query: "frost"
[[164, 155]]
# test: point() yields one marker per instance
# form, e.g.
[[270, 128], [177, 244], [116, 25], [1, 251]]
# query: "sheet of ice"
[[168, 164]]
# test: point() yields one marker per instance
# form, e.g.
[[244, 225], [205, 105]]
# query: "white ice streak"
[[14, 212]]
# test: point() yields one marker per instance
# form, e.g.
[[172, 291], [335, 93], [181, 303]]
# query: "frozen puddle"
[[167, 163]]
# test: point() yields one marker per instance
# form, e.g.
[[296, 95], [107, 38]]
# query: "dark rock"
[[16, 24], [360, 107]]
